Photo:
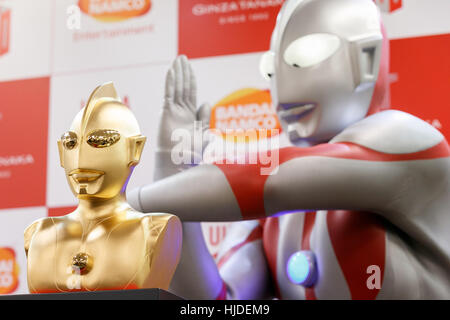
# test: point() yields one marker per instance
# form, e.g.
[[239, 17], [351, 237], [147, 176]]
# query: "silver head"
[[325, 59]]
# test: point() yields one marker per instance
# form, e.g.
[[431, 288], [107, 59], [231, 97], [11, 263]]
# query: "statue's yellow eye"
[[69, 140], [103, 138]]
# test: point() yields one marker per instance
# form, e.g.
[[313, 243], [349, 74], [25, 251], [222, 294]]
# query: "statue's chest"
[[67, 260]]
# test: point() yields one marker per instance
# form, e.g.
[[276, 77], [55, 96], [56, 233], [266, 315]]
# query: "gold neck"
[[96, 209]]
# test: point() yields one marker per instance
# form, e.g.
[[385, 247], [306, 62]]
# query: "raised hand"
[[180, 114]]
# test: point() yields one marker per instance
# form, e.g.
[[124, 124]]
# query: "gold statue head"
[[102, 147]]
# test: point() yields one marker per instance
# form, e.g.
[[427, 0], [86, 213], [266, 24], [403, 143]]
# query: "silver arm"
[[308, 182]]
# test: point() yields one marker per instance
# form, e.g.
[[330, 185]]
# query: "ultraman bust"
[[104, 244]]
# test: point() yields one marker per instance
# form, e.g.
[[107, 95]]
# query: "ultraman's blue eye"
[[301, 268]]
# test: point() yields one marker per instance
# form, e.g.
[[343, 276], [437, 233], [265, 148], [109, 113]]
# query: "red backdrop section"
[[217, 27], [23, 136], [421, 69], [60, 211]]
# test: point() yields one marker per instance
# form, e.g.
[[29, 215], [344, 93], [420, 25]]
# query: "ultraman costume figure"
[[363, 193]]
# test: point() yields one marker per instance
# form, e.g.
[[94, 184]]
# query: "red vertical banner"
[[5, 26], [394, 5], [218, 27], [421, 68], [389, 5], [23, 142]]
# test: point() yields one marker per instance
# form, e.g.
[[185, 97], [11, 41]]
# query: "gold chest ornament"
[[82, 263]]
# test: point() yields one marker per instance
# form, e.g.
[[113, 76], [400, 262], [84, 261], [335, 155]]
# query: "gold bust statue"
[[104, 244]]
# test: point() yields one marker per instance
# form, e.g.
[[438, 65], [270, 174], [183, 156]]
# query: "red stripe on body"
[[353, 151], [223, 292], [270, 242], [358, 240], [308, 225], [247, 182], [256, 234], [248, 187]]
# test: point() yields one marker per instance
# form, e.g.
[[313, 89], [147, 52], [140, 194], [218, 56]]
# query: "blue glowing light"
[[299, 268]]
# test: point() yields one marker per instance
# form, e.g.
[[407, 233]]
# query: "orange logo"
[[114, 10], [245, 113], [9, 271]]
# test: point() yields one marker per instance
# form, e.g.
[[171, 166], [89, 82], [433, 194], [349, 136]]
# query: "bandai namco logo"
[[9, 271], [243, 111], [114, 10]]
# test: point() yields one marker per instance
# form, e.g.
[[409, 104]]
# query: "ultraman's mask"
[[101, 147], [323, 65]]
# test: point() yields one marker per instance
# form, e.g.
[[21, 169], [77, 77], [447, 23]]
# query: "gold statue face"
[[102, 146]]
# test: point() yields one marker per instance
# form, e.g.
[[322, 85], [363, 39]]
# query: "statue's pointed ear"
[[136, 145], [61, 153]]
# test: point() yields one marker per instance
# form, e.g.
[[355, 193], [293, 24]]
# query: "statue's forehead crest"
[[103, 93], [285, 14]]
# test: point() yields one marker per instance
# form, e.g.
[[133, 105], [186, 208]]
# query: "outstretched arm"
[[343, 176], [201, 193]]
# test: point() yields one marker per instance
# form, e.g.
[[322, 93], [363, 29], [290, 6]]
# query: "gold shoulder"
[[29, 233], [164, 235], [40, 224], [157, 222]]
